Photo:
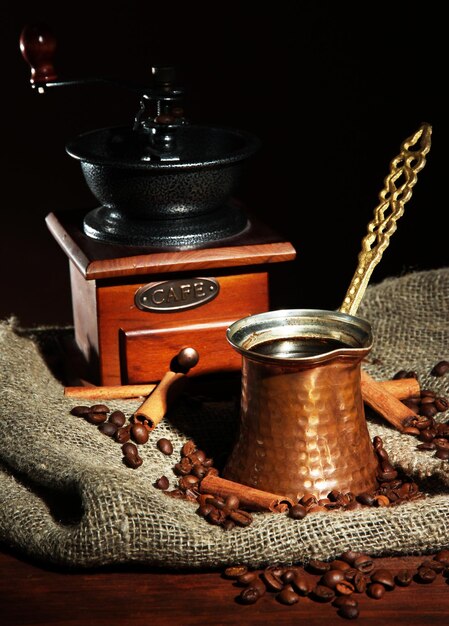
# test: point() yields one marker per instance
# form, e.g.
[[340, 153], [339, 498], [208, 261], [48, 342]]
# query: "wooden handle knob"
[[38, 45]]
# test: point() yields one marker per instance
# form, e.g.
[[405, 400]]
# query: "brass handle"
[[397, 191]]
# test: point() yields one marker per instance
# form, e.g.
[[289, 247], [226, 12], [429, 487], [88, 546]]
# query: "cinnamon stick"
[[402, 388], [249, 497], [385, 403], [109, 392]]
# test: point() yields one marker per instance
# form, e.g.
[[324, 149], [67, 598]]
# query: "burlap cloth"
[[67, 498]]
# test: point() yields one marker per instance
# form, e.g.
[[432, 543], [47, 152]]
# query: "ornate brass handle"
[[397, 191]]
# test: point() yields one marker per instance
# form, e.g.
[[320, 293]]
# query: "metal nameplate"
[[176, 295]]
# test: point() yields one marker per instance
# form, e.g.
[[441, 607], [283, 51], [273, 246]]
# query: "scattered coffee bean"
[[108, 429], [162, 483], [123, 434], [315, 566], [118, 418], [96, 418], [131, 456], [321, 593], [165, 446], [440, 368], [272, 580], [425, 575], [298, 511], [139, 433], [376, 591], [80, 411], [250, 595], [384, 577], [281, 582], [348, 611], [99, 408], [332, 577], [404, 577], [340, 601], [287, 595], [234, 571]]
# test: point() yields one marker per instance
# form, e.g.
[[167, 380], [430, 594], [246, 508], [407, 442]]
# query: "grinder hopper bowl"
[[166, 211]]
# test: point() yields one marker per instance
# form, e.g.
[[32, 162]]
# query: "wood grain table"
[[40, 594]]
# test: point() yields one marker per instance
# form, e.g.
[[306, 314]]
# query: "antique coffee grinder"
[[169, 258]]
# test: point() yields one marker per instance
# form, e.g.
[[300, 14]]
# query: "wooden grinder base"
[[123, 344]]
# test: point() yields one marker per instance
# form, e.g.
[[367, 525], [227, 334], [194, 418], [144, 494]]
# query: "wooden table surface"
[[39, 594]]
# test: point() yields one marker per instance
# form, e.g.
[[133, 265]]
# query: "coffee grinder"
[[169, 258]]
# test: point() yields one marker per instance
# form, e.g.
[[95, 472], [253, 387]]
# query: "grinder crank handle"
[[38, 46], [153, 410]]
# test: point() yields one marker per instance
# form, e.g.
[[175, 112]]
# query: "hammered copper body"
[[302, 424]]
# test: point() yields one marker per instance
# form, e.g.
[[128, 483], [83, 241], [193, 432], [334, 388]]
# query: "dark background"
[[332, 89]]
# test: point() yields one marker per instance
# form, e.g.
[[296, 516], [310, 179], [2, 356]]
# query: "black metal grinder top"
[[161, 181]]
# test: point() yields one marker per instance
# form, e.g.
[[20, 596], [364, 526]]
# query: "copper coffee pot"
[[302, 422]]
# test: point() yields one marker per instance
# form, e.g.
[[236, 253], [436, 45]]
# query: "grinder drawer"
[[145, 355]]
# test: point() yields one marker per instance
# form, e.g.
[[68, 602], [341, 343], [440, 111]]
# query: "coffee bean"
[[99, 408], [340, 601], [108, 429], [404, 577], [349, 556], [321, 593], [332, 577], [241, 518], [234, 571], [133, 461], [130, 449], [131, 456], [364, 564], [122, 435], [246, 578], [199, 471], [348, 611], [339, 564], [316, 566], [80, 411], [359, 582], [428, 410], [383, 576], [344, 587], [437, 566], [187, 482], [297, 511], [440, 368], [288, 595], [165, 446], [118, 418], [198, 456], [442, 555], [442, 404], [376, 591], [400, 374], [302, 583], [232, 502], [272, 581], [188, 448], [162, 483], [139, 433], [96, 418], [442, 454], [366, 499], [250, 595], [425, 575]]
